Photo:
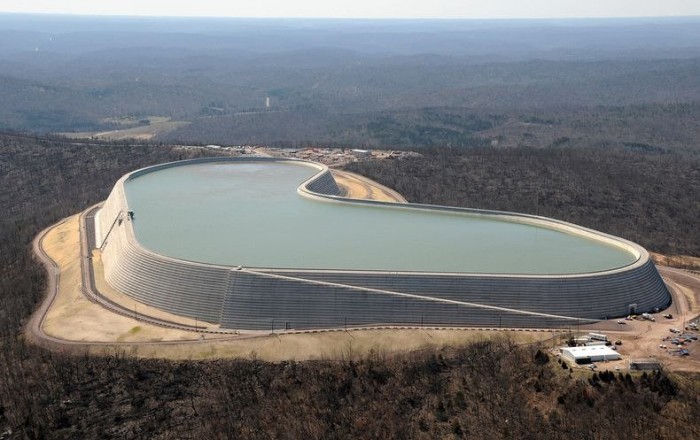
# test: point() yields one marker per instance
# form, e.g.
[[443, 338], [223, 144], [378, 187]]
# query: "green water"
[[250, 214]]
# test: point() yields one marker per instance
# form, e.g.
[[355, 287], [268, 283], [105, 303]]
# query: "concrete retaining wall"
[[259, 301], [261, 298]]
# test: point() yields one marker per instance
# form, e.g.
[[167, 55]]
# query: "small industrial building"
[[589, 354], [361, 153], [645, 364]]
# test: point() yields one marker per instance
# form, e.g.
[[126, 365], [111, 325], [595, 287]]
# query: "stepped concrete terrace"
[[248, 294]]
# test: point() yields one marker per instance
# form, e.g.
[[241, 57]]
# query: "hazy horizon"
[[364, 9], [359, 19], [367, 82]]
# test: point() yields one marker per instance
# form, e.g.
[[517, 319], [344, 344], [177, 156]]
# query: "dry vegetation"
[[486, 390]]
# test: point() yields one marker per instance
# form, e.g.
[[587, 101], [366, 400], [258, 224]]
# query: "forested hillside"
[[388, 84]]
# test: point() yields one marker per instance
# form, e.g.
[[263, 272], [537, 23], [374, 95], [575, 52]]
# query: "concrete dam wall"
[[262, 297]]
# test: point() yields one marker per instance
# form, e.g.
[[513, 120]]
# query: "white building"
[[361, 153], [586, 355]]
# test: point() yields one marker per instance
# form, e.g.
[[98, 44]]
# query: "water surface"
[[249, 214]]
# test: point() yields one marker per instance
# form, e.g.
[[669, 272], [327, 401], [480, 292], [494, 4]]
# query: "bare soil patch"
[[72, 316], [651, 339], [682, 261], [158, 125], [355, 186]]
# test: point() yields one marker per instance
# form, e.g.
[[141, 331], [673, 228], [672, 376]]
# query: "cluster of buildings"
[[594, 347], [332, 157]]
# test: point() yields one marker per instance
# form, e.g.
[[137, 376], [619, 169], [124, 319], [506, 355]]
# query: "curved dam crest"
[[273, 293], [250, 214]]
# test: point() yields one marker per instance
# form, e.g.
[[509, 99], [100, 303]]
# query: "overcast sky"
[[364, 8]]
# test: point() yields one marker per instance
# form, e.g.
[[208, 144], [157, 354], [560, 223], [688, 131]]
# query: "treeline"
[[485, 390], [647, 197], [44, 179], [652, 127]]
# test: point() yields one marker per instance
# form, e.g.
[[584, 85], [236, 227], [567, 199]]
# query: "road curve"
[[681, 276], [34, 329], [684, 278]]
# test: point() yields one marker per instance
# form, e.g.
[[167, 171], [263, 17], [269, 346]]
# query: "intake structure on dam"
[[260, 243]]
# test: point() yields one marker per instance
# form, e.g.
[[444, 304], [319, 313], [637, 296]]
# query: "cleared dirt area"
[[644, 339], [337, 344], [158, 125], [684, 261], [72, 317], [359, 187]]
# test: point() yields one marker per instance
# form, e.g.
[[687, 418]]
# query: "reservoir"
[[250, 214]]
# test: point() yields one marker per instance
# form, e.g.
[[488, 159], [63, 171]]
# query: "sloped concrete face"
[[264, 298], [295, 303]]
